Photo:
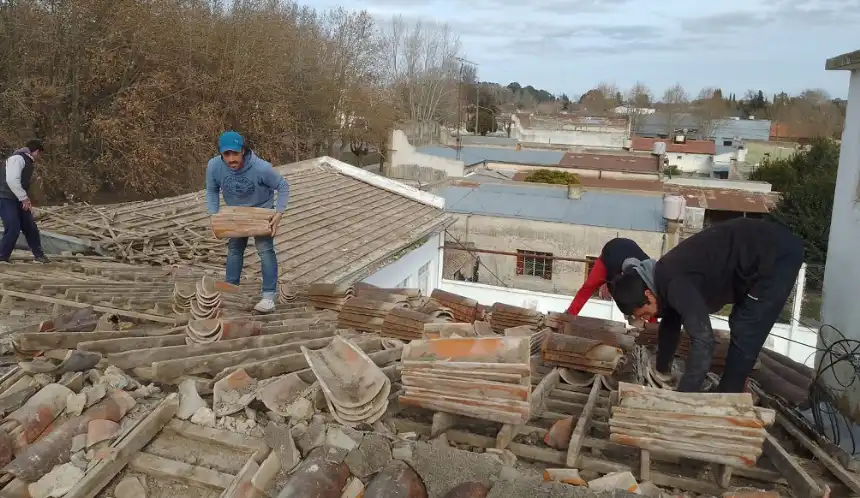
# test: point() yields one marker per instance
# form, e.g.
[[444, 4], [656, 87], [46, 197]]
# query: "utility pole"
[[477, 106], [460, 102]]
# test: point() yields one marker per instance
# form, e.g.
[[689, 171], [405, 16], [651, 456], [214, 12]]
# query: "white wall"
[[842, 273], [544, 302], [403, 154], [408, 268], [691, 163], [597, 136]]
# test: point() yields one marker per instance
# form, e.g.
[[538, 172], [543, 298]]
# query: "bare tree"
[[709, 108], [638, 101], [601, 99], [422, 65], [675, 104]]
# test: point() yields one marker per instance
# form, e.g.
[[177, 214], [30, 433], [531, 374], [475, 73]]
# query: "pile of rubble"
[[342, 391]]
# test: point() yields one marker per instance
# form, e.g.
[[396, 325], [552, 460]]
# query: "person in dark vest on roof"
[[607, 267], [16, 205], [749, 263]]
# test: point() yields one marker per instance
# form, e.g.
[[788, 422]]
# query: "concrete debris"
[[72, 380], [94, 376], [443, 468], [335, 436], [617, 480], [313, 438], [234, 392], [402, 451], [43, 379], [129, 487], [116, 378], [300, 410], [278, 394], [274, 417], [649, 489], [354, 488], [371, 456], [243, 426], [101, 430], [280, 439], [409, 436], [335, 455], [75, 404], [94, 393], [79, 460], [265, 476], [189, 400], [79, 443], [57, 482], [145, 391], [203, 416], [506, 457], [747, 493]]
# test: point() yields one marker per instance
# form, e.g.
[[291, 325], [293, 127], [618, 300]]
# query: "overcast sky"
[[571, 45]]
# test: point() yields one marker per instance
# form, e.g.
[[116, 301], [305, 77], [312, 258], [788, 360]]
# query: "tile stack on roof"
[[688, 147]]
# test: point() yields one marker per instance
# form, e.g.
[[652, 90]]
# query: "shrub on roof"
[[553, 176]]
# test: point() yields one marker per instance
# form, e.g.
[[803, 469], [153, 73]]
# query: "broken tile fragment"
[[370, 457], [75, 404], [189, 400], [354, 488], [101, 430], [617, 480], [280, 439], [339, 439], [57, 482], [203, 416], [567, 476]]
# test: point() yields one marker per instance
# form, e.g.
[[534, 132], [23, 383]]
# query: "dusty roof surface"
[[341, 224], [560, 121], [726, 199], [476, 155], [611, 162], [690, 147]]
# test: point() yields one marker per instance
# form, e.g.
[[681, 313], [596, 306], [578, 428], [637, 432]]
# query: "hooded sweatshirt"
[[253, 185]]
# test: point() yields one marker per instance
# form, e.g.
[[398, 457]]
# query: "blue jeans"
[[17, 220], [268, 263]]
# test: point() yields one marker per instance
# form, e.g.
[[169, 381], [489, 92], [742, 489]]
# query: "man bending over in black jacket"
[[749, 263]]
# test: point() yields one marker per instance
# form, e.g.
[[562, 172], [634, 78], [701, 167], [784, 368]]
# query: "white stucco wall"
[[545, 302], [403, 154], [408, 269], [560, 239], [596, 135], [842, 273], [691, 163]]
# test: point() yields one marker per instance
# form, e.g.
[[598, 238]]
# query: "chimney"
[[574, 191]]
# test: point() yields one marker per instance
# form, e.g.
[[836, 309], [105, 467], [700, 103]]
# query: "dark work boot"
[[42, 259]]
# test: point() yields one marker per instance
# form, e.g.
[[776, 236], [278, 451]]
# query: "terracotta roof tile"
[[726, 199], [689, 147]]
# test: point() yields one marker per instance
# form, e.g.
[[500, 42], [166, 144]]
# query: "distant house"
[[689, 156], [720, 130], [513, 226], [570, 129]]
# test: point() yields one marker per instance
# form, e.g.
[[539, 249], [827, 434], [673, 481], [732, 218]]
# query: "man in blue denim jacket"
[[246, 180]]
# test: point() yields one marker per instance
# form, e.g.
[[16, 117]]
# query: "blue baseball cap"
[[230, 140]]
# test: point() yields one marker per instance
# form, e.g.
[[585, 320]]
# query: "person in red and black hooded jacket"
[[607, 267]]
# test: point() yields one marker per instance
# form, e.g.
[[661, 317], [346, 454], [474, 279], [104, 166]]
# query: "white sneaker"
[[265, 306]]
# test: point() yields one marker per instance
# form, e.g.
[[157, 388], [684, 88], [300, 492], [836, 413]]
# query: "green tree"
[[806, 180], [553, 176]]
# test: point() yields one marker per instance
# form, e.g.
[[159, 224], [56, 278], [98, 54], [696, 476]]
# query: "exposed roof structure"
[[726, 199], [342, 223], [688, 147], [550, 203]]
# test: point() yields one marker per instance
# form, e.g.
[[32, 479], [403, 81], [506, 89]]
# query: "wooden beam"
[[96, 307], [799, 480], [542, 391], [583, 425], [190, 474], [850, 479], [100, 475]]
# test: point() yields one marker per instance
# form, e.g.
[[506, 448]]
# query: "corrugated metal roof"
[[475, 155], [603, 209], [489, 140]]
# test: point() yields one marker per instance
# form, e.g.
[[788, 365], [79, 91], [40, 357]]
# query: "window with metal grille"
[[532, 264]]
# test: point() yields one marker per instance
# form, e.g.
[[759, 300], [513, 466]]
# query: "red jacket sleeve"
[[595, 279]]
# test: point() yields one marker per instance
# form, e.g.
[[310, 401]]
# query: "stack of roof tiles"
[[329, 296], [464, 309], [648, 337], [711, 427], [405, 324], [505, 316], [368, 315], [484, 377], [580, 353]]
